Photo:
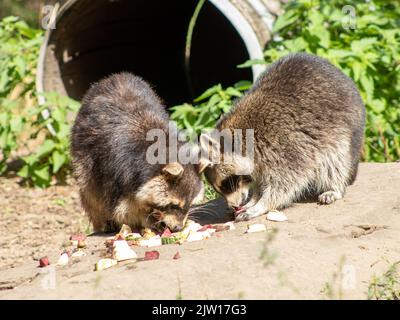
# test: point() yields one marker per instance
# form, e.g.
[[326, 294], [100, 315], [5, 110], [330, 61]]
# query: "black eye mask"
[[231, 184]]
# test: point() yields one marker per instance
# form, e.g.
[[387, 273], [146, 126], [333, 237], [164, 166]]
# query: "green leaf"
[[250, 63], [59, 160], [47, 147], [43, 173], [284, 20], [16, 124], [209, 93], [24, 172], [20, 66]]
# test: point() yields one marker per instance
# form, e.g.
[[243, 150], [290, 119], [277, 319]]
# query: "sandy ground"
[[342, 245]]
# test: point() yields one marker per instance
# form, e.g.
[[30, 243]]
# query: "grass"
[[267, 255], [386, 286]]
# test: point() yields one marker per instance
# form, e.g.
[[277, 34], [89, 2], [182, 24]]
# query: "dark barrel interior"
[[93, 39]]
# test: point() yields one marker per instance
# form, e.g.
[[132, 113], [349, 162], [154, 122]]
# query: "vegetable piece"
[[105, 264], [257, 227], [44, 262], [151, 255], [122, 251], [276, 216], [63, 260]]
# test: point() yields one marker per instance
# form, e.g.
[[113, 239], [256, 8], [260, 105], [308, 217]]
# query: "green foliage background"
[[21, 121], [369, 54]]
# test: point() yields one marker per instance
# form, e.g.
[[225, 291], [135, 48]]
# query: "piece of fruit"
[[44, 262], [197, 236], [105, 264], [276, 216], [125, 229], [132, 236], [63, 260], [75, 238], [166, 234], [81, 244], [122, 251], [152, 242], [151, 255], [257, 227]]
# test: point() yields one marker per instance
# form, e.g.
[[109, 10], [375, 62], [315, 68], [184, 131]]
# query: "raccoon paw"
[[247, 215], [329, 197]]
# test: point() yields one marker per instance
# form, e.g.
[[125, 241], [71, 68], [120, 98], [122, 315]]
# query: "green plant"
[[369, 54], [208, 108], [19, 49], [21, 119], [386, 286], [51, 158]]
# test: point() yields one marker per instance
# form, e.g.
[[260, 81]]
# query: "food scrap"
[[105, 264], [122, 251], [257, 227], [74, 239], [44, 262], [276, 216], [63, 260], [151, 255]]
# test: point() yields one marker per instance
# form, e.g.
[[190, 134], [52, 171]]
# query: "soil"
[[320, 252]]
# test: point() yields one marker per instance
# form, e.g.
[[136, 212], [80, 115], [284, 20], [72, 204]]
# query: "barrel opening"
[[94, 39]]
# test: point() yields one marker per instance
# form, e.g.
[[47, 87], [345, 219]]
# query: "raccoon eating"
[[308, 123], [108, 145]]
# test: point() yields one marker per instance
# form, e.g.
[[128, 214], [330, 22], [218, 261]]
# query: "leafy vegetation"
[[21, 121], [366, 48], [208, 109], [386, 286]]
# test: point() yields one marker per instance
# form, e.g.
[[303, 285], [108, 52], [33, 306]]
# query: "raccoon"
[[308, 120], [108, 145]]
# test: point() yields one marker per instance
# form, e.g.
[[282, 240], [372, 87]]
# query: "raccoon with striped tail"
[[308, 120]]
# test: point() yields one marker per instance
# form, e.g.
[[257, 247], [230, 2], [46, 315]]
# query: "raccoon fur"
[[108, 146], [308, 120]]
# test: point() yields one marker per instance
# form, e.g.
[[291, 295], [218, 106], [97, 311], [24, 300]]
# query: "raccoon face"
[[169, 195], [226, 175], [234, 188]]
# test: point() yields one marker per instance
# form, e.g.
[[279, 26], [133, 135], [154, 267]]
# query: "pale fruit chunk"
[[197, 236], [63, 260], [152, 242], [105, 264], [276, 216], [257, 227], [125, 230], [122, 251]]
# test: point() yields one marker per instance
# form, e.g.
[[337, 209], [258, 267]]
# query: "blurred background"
[[199, 55]]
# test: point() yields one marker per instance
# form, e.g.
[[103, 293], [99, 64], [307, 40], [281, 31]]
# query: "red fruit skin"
[[205, 227], [77, 237], [166, 234], [177, 256], [151, 255], [44, 262]]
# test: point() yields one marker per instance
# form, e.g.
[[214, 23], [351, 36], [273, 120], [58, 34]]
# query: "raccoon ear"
[[174, 169], [203, 164]]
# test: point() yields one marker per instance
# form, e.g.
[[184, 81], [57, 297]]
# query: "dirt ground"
[[340, 246]]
